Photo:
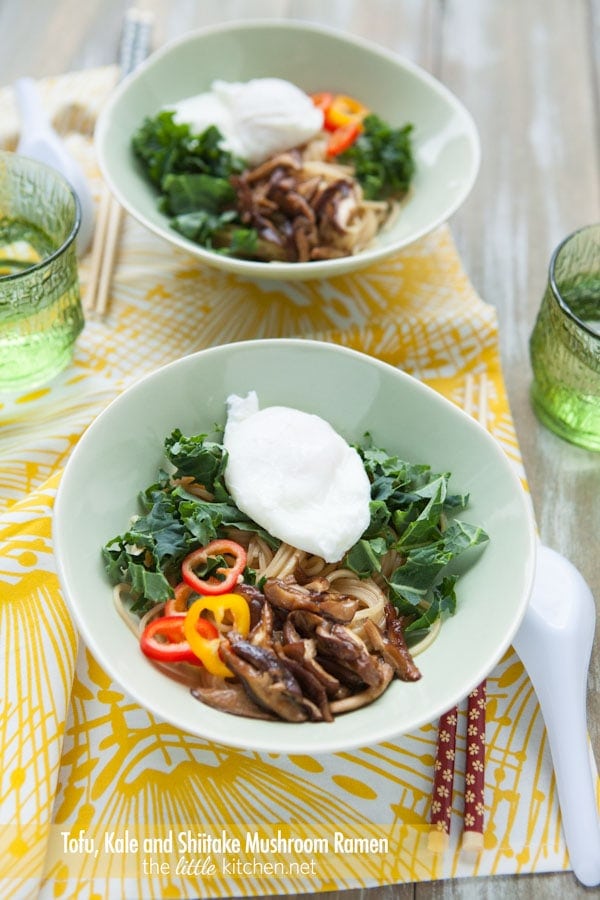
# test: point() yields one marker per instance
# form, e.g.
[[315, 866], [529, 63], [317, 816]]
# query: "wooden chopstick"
[[443, 780], [135, 45], [102, 261]]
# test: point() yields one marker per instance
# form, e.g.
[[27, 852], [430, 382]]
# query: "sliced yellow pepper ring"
[[344, 111], [207, 650]]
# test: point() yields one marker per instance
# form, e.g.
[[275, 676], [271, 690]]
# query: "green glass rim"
[[36, 267], [554, 285]]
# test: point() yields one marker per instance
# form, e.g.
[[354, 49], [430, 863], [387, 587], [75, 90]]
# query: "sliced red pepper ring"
[[230, 573], [163, 639], [342, 138], [233, 607], [323, 100]]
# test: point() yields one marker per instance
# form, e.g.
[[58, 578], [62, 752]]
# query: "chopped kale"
[[165, 147], [191, 173], [174, 521], [383, 159], [412, 513]]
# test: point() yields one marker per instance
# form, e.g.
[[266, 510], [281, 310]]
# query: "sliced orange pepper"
[[344, 111], [179, 603], [232, 606]]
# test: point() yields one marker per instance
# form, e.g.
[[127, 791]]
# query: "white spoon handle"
[[565, 716], [554, 643], [34, 120]]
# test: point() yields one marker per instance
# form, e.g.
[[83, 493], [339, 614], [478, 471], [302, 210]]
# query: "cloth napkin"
[[86, 772]]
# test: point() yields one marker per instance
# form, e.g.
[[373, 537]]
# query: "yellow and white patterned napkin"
[[85, 772]]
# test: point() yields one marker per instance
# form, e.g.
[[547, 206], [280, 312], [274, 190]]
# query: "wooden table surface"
[[529, 72]]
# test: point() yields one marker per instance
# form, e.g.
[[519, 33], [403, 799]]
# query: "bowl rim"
[[297, 270], [296, 743]]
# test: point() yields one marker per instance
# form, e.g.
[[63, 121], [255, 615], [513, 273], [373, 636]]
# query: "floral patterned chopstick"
[[474, 812], [443, 778], [443, 781]]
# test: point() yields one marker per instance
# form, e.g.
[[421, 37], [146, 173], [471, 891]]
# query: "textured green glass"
[[40, 304], [565, 342]]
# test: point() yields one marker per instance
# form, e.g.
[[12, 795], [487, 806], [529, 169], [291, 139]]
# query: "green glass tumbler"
[[40, 302], [565, 342]]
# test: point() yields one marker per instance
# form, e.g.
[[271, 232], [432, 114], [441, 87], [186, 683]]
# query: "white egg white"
[[257, 119], [296, 477]]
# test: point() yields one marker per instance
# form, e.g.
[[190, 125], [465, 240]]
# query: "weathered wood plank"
[[526, 72]]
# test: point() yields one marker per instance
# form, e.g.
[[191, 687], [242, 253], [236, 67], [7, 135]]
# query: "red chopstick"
[[474, 812], [443, 777], [443, 780]]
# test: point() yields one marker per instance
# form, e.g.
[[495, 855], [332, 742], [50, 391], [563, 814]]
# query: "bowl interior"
[[120, 454], [445, 138]]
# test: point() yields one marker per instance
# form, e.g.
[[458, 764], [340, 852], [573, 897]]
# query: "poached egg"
[[257, 118], [296, 477]]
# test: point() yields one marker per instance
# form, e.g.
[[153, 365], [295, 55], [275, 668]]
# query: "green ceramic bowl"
[[445, 138], [121, 452]]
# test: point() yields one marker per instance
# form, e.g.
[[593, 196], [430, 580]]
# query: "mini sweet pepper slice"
[[179, 603], [163, 639], [342, 138], [323, 100], [343, 111], [226, 609], [225, 577]]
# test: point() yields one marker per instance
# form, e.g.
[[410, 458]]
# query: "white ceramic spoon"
[[39, 141], [554, 643]]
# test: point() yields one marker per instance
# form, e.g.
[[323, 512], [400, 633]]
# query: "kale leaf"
[[383, 159], [188, 193], [198, 457], [174, 521], [192, 175], [165, 147], [413, 513]]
